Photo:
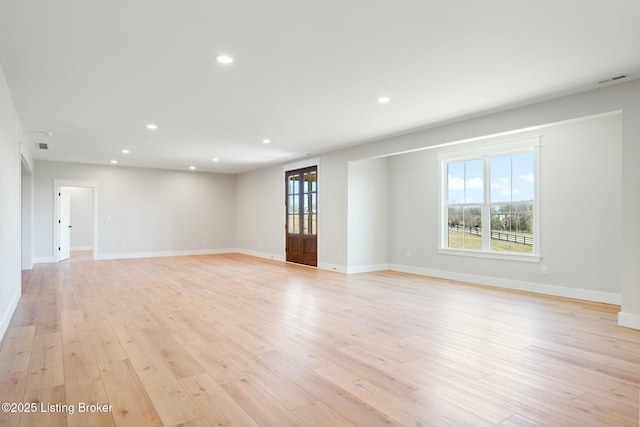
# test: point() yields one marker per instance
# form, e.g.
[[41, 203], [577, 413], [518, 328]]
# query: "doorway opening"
[[75, 226], [302, 215]]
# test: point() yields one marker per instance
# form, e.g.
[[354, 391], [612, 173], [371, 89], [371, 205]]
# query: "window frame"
[[486, 152]]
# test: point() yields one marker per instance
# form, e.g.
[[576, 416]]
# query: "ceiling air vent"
[[43, 145]]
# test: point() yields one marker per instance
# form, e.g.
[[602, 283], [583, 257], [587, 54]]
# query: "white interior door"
[[64, 217]]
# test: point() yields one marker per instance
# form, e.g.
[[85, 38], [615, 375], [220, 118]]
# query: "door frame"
[[57, 184], [305, 163], [26, 214]]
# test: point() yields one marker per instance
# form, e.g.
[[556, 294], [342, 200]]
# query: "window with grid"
[[489, 201]]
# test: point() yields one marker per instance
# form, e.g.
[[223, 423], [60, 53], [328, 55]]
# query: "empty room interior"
[[319, 213]]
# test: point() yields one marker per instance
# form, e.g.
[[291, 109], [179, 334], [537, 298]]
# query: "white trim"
[[257, 254], [510, 256], [13, 304], [489, 149], [366, 268], [629, 320], [332, 267], [131, 255], [538, 288], [74, 183], [44, 260], [81, 248], [505, 134], [57, 184]]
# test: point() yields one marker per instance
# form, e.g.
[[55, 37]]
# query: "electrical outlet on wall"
[[544, 269]]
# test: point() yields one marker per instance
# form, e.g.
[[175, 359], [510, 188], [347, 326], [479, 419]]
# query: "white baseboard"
[[81, 248], [332, 267], [130, 255], [366, 268], [629, 320], [44, 260], [538, 288], [6, 317], [260, 254]]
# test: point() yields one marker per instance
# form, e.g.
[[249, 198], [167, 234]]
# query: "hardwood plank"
[[338, 399], [262, 407], [46, 369], [91, 392], [282, 389], [244, 339], [130, 402], [200, 422], [319, 414], [218, 366], [165, 392], [50, 408], [399, 409], [453, 413], [78, 355], [12, 388], [47, 319], [239, 356], [172, 403], [174, 356], [104, 340], [219, 407], [15, 353]]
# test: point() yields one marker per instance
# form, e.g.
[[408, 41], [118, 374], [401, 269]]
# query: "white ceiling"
[[306, 73]]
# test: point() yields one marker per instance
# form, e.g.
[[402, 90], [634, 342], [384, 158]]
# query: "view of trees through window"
[[494, 190]]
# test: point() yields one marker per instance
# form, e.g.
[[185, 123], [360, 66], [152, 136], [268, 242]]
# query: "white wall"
[[10, 197], [580, 232], [260, 201], [81, 207], [143, 212], [368, 215]]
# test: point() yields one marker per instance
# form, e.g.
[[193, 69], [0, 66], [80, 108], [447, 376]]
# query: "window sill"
[[510, 256]]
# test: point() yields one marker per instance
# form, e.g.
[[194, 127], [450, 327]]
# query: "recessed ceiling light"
[[152, 126], [215, 160], [266, 141], [114, 162], [192, 168], [383, 99], [125, 151], [224, 59]]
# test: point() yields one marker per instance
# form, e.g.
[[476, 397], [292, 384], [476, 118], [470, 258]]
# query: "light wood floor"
[[234, 340]]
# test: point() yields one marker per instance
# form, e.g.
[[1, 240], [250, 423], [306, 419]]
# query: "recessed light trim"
[[152, 126], [215, 160], [383, 99], [224, 59], [192, 168], [266, 141], [114, 162], [125, 151]]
